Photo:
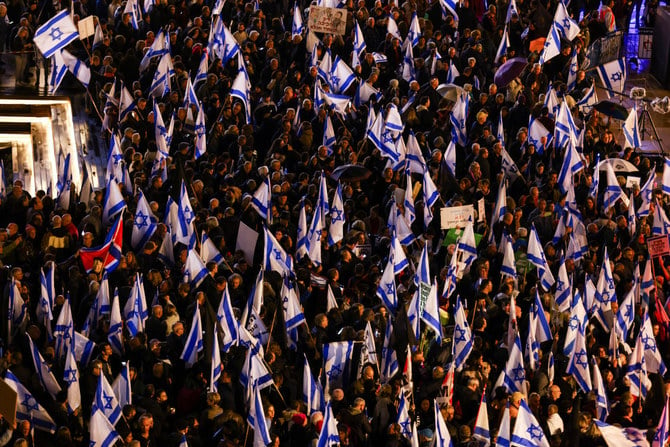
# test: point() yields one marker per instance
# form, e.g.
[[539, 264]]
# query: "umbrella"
[[350, 173], [612, 109], [450, 91], [618, 165], [509, 70]]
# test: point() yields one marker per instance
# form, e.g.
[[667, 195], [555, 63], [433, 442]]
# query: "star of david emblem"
[[141, 220], [390, 289], [318, 236], [406, 427], [566, 22], [56, 33], [277, 254], [605, 297], [533, 141], [30, 403], [336, 215], [200, 130], [387, 138], [108, 401], [535, 432], [579, 358], [616, 76], [648, 342], [335, 371], [559, 285], [162, 130], [573, 69], [188, 214], [187, 273], [117, 158], [335, 79], [70, 375], [519, 374], [629, 311], [461, 334]]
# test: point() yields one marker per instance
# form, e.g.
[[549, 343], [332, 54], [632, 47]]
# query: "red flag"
[[109, 252]]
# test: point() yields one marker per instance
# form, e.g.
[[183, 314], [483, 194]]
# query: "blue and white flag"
[[509, 166], [500, 208], [663, 427], [661, 222], [262, 200], [217, 366], [312, 394], [625, 315], [407, 426], [578, 320], [43, 370], [27, 407], [105, 401], [359, 40], [122, 386], [203, 68], [508, 267], [481, 432], [136, 311], [613, 75], [527, 430], [71, 377], [329, 435], [511, 9], [664, 186], [552, 46], [605, 291], [589, 99], [113, 203], [83, 348], [408, 202], [653, 359], [56, 34], [572, 71], [78, 68], [314, 236], [364, 93], [208, 251], [240, 90], [431, 313], [331, 302], [302, 242], [293, 315], [449, 158], [565, 133], [194, 340], [389, 359], [144, 223], [337, 103], [254, 374], [515, 373], [407, 71], [44, 308], [64, 330], [256, 419], [161, 83], [386, 290], [467, 245], [462, 345], [602, 405], [57, 72], [337, 218], [567, 28], [159, 47], [449, 7], [392, 28], [341, 76], [536, 257], [442, 436], [637, 370], [229, 323], [631, 131], [115, 333], [329, 138], [200, 133], [502, 47], [414, 32], [275, 257], [185, 231], [133, 8], [101, 431], [578, 366], [538, 135], [222, 42], [542, 329], [297, 27], [504, 431], [336, 360], [452, 73], [194, 269], [563, 292], [16, 309], [325, 66], [622, 437], [126, 103], [572, 163], [458, 117]]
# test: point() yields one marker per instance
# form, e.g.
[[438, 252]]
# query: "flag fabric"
[[113, 203], [161, 83], [64, 330], [431, 313], [122, 387], [661, 223], [459, 114], [572, 163], [602, 406], [312, 393], [240, 90], [133, 8], [414, 32], [208, 251], [578, 320], [126, 103], [613, 75], [159, 47], [625, 315], [359, 40], [203, 67], [43, 370], [631, 130], [341, 76], [226, 318], [662, 431], [542, 330], [194, 269], [276, 258], [481, 431], [563, 292], [589, 99], [389, 359], [386, 290], [442, 436], [392, 28], [621, 437], [515, 374], [256, 419], [462, 344], [222, 42], [637, 370], [57, 33], [508, 267], [78, 68], [331, 302], [536, 256], [329, 138], [314, 235], [293, 315], [336, 358], [567, 28], [337, 218], [467, 244], [452, 73], [297, 27], [302, 241], [185, 231], [653, 359], [329, 435], [407, 426], [105, 401], [71, 377], [502, 47], [505, 431], [552, 45], [144, 223], [83, 348], [136, 311], [102, 433], [538, 135], [631, 217], [254, 373], [578, 366], [200, 133], [368, 350], [449, 158], [57, 72], [27, 407], [511, 9], [115, 333], [262, 200], [664, 186], [500, 207], [407, 71], [194, 340], [449, 7], [16, 309], [509, 166], [527, 430], [572, 71], [217, 366], [44, 308]]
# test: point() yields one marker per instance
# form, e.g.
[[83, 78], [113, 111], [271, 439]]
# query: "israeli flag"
[[578, 365], [102, 433], [240, 90], [442, 436], [431, 313], [637, 369], [407, 70], [222, 42], [572, 164], [312, 393], [625, 315], [200, 133], [536, 133], [481, 432], [113, 203], [389, 359], [654, 361], [458, 117], [414, 32], [329, 138], [462, 344], [193, 341], [185, 231], [407, 426], [55, 34], [57, 72], [105, 401], [329, 435], [337, 218], [293, 315], [408, 202], [508, 166], [449, 158], [144, 223], [208, 251], [567, 28], [115, 333], [449, 7], [122, 386], [505, 431], [262, 200], [535, 255], [43, 370], [563, 292], [133, 8], [613, 75], [64, 329], [194, 269], [502, 47], [578, 319], [364, 93], [44, 308], [217, 366], [71, 377], [203, 68], [511, 9], [589, 99], [159, 47], [613, 191], [341, 76], [276, 258], [527, 430], [467, 245], [136, 311], [452, 73], [602, 405], [161, 83], [27, 407], [359, 40], [254, 373], [297, 27], [572, 72], [631, 131], [515, 373], [226, 319], [386, 290], [336, 358], [500, 207], [508, 266], [552, 46], [392, 28], [661, 222]]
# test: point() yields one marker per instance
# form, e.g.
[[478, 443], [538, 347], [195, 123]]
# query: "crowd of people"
[[283, 141]]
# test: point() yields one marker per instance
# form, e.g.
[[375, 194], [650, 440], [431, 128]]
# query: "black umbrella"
[[350, 173], [509, 70], [612, 109]]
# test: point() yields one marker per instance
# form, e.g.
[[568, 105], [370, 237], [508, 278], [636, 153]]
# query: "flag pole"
[[274, 317]]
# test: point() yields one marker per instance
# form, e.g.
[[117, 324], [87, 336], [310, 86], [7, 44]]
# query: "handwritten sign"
[[86, 27], [456, 216], [658, 246], [327, 20]]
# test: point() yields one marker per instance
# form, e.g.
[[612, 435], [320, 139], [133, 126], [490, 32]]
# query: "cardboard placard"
[[8, 401], [658, 246], [246, 241], [456, 216], [327, 20], [86, 27]]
